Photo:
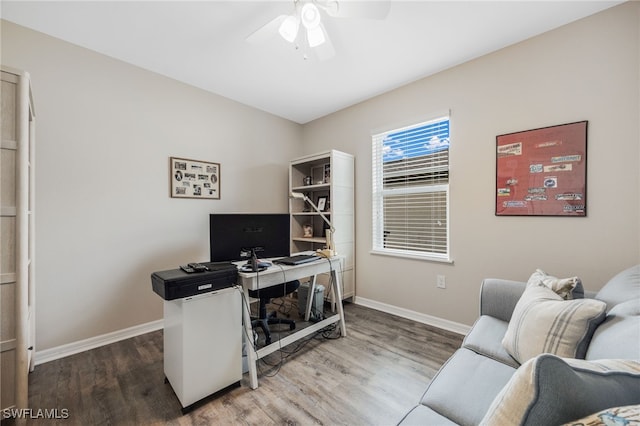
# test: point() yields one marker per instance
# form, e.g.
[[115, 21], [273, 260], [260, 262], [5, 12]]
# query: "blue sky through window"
[[416, 141]]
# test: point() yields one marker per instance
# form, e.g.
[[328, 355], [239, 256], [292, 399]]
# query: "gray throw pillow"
[[548, 390]]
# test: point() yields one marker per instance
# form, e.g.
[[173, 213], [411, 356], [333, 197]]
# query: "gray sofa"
[[482, 383]]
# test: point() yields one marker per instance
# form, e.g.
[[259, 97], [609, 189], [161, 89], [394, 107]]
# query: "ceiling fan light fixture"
[[310, 16], [289, 28], [315, 36]]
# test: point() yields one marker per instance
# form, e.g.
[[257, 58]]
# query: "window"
[[411, 191]]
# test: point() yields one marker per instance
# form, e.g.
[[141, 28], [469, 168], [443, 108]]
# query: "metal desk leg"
[[251, 353], [337, 291]]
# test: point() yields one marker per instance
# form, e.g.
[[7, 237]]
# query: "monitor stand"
[[254, 265]]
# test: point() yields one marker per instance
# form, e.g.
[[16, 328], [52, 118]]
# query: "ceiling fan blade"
[[371, 9], [267, 31], [325, 50]]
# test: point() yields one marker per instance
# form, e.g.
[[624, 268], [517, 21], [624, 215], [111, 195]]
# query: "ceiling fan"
[[304, 27]]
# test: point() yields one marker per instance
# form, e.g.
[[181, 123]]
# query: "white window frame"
[[379, 194]]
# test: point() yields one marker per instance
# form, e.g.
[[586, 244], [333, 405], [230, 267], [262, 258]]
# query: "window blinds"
[[411, 190]]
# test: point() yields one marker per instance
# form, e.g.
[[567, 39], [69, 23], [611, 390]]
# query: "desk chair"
[[265, 295]]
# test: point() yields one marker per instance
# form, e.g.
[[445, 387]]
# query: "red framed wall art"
[[542, 172]]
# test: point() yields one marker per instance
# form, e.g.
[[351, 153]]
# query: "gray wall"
[[106, 130], [104, 218], [588, 70]]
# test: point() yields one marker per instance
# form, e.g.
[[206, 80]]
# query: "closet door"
[[17, 296]]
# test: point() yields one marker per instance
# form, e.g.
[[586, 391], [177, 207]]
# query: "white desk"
[[278, 274]]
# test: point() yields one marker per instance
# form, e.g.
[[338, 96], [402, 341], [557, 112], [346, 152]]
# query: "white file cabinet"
[[203, 344]]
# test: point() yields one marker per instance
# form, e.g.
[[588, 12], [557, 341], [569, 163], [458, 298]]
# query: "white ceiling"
[[202, 43]]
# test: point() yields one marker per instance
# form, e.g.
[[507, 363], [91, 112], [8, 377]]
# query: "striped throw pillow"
[[562, 286], [543, 322]]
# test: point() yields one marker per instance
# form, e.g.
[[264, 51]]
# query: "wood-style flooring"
[[371, 377]]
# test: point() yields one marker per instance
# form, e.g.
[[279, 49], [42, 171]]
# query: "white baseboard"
[[95, 342], [414, 316]]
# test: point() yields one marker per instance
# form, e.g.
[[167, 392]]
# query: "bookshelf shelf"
[[330, 176]]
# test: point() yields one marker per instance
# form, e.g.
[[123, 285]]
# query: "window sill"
[[423, 257]]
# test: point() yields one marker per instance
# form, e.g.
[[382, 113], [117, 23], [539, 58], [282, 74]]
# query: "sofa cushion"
[[564, 287], [466, 380], [626, 415], [543, 322], [499, 297], [619, 335], [422, 415], [485, 338], [548, 390], [622, 287]]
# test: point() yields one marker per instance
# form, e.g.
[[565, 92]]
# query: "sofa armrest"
[[498, 297]]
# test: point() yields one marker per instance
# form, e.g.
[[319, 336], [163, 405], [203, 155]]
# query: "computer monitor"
[[231, 235]]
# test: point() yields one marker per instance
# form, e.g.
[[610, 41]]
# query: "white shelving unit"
[[17, 226], [327, 174]]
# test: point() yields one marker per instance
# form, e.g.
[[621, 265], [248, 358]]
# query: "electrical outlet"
[[441, 282]]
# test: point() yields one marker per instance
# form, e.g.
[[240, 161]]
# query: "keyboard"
[[297, 259]]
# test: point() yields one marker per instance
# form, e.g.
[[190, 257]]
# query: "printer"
[[177, 284]]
